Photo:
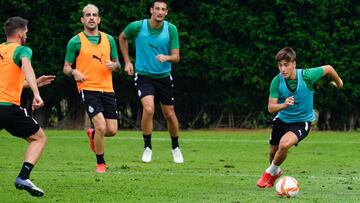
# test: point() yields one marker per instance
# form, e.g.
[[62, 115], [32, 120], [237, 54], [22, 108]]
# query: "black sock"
[[147, 141], [174, 142], [100, 159], [26, 170]]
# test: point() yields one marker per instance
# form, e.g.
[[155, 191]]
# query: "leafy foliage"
[[227, 55]]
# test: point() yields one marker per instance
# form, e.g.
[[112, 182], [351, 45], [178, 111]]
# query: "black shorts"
[[280, 128], [17, 121], [96, 102], [161, 88]]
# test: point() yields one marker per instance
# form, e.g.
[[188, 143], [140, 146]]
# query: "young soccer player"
[[291, 97]]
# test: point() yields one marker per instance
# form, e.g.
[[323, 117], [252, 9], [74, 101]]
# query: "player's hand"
[[37, 102], [111, 65], [340, 85], [129, 68], [289, 101], [44, 80], [162, 58], [78, 76]]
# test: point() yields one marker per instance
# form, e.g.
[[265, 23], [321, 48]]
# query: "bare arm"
[[41, 81], [124, 48], [336, 80], [31, 80], [173, 58], [113, 65], [274, 107]]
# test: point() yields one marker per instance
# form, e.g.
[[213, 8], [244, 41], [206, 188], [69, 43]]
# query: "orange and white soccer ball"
[[287, 186]]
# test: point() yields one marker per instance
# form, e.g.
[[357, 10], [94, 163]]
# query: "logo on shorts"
[[91, 109], [139, 93], [300, 132]]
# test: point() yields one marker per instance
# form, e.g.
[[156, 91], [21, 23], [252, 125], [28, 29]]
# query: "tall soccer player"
[[157, 47], [291, 97]]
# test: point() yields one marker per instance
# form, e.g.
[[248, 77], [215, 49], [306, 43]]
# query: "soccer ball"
[[287, 186]]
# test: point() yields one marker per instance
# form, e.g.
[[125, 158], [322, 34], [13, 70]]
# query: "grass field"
[[220, 166]]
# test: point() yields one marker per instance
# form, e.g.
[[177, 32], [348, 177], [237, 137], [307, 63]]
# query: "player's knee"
[[38, 137], [111, 132], [100, 130], [170, 115], [148, 110], [284, 146]]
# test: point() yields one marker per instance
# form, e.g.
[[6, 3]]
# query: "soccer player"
[[291, 97], [96, 57], [16, 72], [157, 47]]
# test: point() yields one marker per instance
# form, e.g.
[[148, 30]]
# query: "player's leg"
[[146, 93], [148, 110], [165, 91], [35, 148], [286, 142], [173, 127], [273, 171], [295, 134], [272, 152], [100, 129], [20, 124], [110, 113], [111, 127], [148, 106]]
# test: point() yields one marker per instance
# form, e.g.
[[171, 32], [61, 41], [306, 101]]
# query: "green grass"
[[220, 166]]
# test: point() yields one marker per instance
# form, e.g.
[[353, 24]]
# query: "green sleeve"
[[113, 49], [274, 88], [20, 52], [72, 49], [174, 37], [311, 75], [133, 29]]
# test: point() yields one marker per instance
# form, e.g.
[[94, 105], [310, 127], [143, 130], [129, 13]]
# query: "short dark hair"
[[13, 24], [287, 54], [161, 1]]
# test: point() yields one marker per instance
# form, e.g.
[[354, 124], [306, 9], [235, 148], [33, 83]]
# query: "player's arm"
[[174, 56], [113, 64], [31, 80], [274, 107], [69, 71], [124, 48], [71, 51], [336, 80], [41, 81]]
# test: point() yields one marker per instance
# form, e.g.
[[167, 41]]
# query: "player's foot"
[[146, 157], [267, 180], [27, 185], [178, 158], [100, 168], [89, 133]]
